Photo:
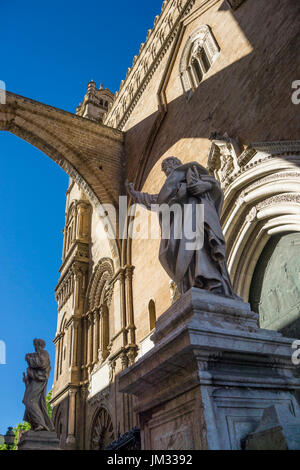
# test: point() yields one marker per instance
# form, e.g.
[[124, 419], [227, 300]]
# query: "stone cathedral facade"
[[212, 83]]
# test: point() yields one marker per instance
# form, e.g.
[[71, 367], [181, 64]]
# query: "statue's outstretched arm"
[[141, 198]]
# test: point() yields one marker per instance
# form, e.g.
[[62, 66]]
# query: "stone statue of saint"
[[36, 412], [204, 267]]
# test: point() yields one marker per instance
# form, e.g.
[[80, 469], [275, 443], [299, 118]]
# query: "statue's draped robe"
[[202, 267], [36, 412]]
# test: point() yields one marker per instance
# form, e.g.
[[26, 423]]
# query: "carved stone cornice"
[[283, 147], [57, 338], [100, 397], [78, 252], [66, 284], [268, 150]]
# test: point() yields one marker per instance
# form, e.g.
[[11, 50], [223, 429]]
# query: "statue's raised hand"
[[130, 189]]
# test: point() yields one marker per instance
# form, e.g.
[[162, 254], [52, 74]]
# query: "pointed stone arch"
[[90, 153], [262, 200]]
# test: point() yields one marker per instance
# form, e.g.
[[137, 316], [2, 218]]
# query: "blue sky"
[[50, 51]]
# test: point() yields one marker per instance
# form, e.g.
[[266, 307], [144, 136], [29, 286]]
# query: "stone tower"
[[70, 294], [96, 102]]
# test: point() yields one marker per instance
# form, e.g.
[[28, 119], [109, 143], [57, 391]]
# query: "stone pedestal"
[[210, 376], [40, 440]]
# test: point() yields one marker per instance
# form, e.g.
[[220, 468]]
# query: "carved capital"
[[112, 367], [129, 272], [124, 360]]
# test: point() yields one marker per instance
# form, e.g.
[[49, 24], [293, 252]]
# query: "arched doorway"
[[275, 286]]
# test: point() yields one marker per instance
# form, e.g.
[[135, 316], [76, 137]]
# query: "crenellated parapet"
[[158, 42]]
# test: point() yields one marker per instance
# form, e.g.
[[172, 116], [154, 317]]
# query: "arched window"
[[198, 75], [199, 54], [152, 314], [100, 328]]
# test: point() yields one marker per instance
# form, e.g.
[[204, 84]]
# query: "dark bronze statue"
[[204, 266], [36, 412]]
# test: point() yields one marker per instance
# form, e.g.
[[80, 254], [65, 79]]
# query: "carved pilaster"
[[90, 339], [71, 439], [131, 326]]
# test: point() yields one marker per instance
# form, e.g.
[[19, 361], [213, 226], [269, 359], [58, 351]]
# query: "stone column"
[[123, 306], [85, 348], [71, 439], [90, 340], [96, 336], [57, 356], [131, 326]]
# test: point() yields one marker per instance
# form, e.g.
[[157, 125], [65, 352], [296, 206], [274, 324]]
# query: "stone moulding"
[[261, 200]]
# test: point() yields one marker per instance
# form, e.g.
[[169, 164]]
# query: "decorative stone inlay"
[[279, 198], [284, 147]]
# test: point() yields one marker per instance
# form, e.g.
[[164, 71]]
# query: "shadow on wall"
[[250, 99]]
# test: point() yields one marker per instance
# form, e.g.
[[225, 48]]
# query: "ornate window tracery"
[[199, 54], [102, 430]]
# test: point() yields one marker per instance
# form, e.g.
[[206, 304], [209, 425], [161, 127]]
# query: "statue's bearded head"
[[39, 344], [169, 164]]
